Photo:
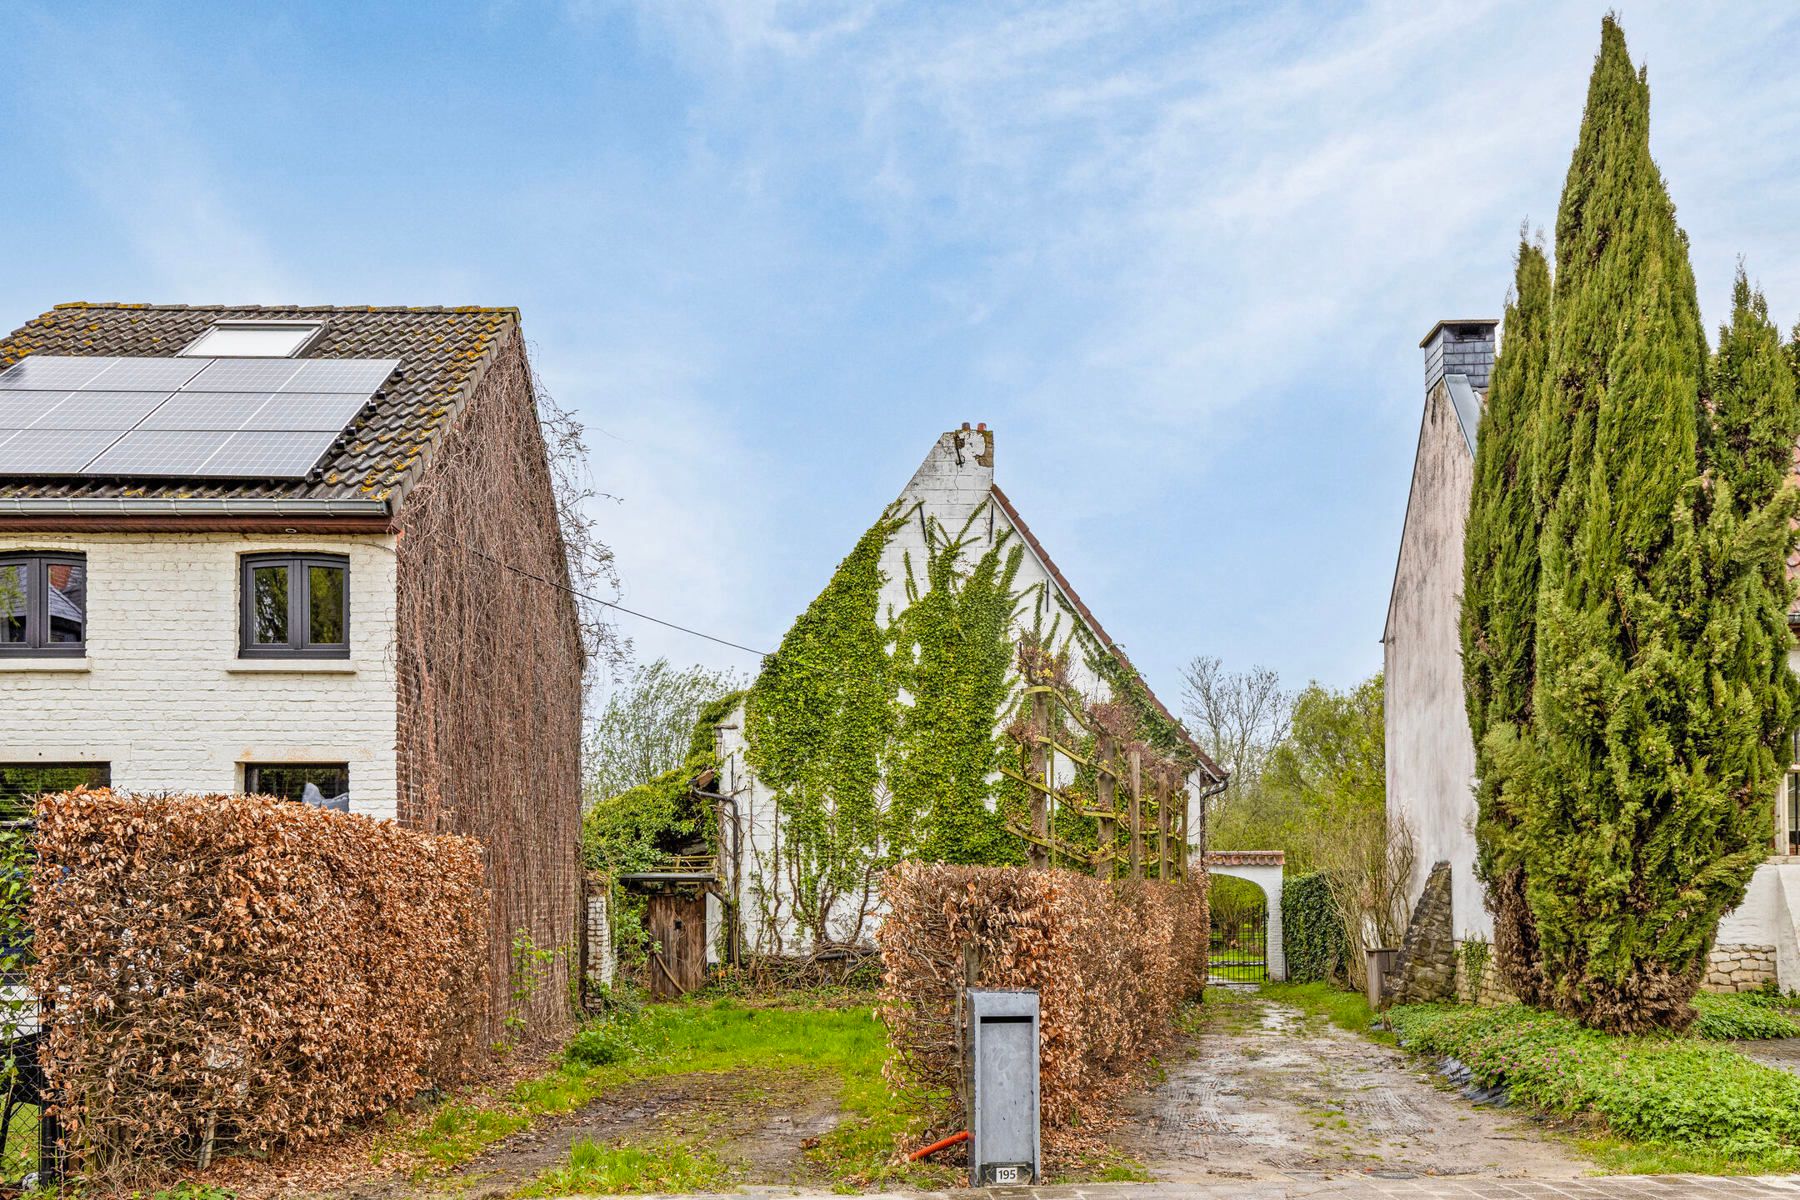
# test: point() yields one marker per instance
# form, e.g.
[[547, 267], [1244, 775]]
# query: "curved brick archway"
[[1264, 869]]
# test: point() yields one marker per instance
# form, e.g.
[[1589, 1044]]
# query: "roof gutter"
[[191, 512], [143, 506]]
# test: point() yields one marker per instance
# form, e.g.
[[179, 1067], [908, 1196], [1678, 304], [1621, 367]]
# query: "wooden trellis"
[[1038, 750]]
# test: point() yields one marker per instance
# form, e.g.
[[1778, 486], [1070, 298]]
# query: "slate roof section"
[[443, 353], [1093, 623]]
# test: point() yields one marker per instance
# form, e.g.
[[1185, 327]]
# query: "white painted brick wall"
[[166, 700]]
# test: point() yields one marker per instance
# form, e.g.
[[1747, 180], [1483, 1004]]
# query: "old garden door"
[[676, 922]]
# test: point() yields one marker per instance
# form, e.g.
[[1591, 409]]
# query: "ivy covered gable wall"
[[875, 732]]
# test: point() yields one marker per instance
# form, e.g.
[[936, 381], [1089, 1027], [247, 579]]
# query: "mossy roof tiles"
[[442, 351]]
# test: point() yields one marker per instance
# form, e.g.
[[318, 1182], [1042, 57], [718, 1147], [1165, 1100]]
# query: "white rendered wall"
[[161, 693], [1430, 753], [953, 484]]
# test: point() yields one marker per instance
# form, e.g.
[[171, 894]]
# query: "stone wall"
[[1736, 967], [1426, 968]]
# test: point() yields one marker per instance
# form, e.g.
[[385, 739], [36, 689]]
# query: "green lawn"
[[840, 1041]]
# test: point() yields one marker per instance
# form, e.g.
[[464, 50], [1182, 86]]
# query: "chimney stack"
[[1463, 348]]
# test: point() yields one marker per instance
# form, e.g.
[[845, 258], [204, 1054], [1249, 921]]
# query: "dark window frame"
[[299, 614], [37, 565], [102, 770], [253, 770]]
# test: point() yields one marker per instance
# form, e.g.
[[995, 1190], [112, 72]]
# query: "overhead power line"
[[614, 605]]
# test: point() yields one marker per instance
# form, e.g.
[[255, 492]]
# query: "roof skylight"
[[255, 339]]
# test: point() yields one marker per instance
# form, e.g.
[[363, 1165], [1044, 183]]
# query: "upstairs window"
[[43, 604], [294, 606], [254, 339]]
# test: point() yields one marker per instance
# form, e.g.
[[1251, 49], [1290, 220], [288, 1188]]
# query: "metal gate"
[[1239, 951]]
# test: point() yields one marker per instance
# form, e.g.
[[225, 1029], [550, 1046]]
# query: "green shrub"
[[1743, 1016], [1681, 1093], [601, 1046], [1311, 933]]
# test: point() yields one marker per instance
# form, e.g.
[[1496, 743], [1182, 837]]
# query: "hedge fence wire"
[[240, 973]]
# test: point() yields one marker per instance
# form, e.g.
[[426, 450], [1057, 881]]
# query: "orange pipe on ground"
[[952, 1140]]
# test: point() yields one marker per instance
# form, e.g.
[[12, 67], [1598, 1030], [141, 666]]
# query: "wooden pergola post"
[[1181, 830], [1106, 789], [1164, 857], [1137, 814], [1040, 772]]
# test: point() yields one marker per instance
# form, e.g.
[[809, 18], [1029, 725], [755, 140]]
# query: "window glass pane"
[[12, 602], [288, 781], [22, 783], [269, 605], [67, 602], [325, 595]]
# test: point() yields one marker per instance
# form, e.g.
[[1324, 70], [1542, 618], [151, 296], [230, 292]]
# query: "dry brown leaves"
[[232, 972], [1111, 961]]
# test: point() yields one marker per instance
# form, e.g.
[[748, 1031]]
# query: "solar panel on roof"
[[100, 410], [259, 452], [179, 416], [52, 371], [359, 375], [144, 375], [307, 412], [159, 452], [51, 451], [244, 375], [20, 409], [207, 410]]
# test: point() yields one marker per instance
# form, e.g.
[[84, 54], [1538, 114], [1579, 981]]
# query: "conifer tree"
[[1499, 606], [1750, 441], [1640, 790]]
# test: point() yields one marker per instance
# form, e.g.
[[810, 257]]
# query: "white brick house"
[[260, 550]]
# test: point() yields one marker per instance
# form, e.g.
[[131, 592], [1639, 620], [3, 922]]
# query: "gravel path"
[[1285, 1096]]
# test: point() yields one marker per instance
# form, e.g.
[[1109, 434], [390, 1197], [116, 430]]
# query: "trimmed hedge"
[[238, 973], [1311, 933], [1111, 961]]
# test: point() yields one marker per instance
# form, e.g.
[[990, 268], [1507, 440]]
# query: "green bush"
[[1744, 1016], [1681, 1093], [601, 1046], [1311, 933]]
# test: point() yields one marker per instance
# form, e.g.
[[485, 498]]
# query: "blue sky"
[[1179, 256]]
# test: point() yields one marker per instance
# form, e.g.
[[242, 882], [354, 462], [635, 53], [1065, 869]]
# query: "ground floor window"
[[1787, 825], [23, 783], [313, 783]]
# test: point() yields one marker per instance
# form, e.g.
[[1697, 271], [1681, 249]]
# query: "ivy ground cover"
[[1709, 1106]]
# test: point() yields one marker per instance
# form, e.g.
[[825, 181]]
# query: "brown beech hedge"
[[238, 973], [1111, 962]]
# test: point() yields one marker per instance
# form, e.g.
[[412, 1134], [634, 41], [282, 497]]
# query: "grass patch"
[[834, 1038], [1346, 1010], [667, 1166], [1663, 1100]]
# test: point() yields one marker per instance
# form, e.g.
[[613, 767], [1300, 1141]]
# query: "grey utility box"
[[1003, 1097]]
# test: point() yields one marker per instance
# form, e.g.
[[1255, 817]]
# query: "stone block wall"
[[1736, 967], [1426, 968]]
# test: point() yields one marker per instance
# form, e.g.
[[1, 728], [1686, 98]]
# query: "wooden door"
[[677, 926]]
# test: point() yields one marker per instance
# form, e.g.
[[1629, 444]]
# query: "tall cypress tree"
[[1499, 607], [1640, 790], [1750, 441]]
